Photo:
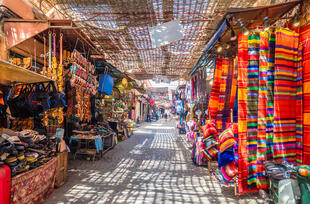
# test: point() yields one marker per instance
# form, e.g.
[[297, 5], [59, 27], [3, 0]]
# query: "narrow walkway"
[[153, 166]]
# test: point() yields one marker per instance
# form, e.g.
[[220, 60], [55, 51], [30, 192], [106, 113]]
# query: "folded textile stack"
[[25, 150], [210, 144], [226, 159]]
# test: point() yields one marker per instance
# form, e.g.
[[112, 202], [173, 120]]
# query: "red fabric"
[[34, 186], [242, 114], [215, 92], [305, 40]]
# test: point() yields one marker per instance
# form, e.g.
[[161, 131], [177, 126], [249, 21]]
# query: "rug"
[[285, 89]]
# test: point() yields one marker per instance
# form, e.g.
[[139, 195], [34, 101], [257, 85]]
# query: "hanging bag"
[[56, 98], [106, 84], [19, 106]]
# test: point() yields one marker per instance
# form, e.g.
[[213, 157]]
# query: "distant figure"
[[166, 116]]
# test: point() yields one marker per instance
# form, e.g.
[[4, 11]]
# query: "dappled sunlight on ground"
[[153, 166]]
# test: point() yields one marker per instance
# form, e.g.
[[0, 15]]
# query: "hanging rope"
[[44, 56], [49, 49]]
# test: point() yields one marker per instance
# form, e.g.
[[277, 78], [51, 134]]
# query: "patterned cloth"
[[285, 77], [299, 108], [34, 186], [261, 182], [214, 98], [252, 106], [270, 98], [226, 111], [242, 113], [305, 40], [234, 88], [219, 118]]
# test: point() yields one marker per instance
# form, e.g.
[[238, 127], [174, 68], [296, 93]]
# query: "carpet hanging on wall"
[[285, 89]]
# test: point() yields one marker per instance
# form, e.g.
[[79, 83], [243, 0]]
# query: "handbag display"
[[20, 105], [56, 98], [106, 84]]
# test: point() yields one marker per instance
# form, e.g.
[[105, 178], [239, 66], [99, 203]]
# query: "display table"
[[87, 139], [34, 186]]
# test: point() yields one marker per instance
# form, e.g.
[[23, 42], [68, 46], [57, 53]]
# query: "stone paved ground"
[[153, 166]]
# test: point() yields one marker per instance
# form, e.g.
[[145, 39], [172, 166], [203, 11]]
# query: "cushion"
[[226, 140], [226, 157], [210, 153], [209, 142], [229, 172], [208, 129]]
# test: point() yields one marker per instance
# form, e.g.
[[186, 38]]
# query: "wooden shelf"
[[13, 73]]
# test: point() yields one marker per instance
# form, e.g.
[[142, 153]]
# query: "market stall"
[[29, 154], [254, 109]]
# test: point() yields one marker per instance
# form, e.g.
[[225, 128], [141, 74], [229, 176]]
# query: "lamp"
[[266, 23], [296, 20], [219, 49]]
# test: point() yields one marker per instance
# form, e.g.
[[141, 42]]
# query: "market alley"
[[153, 166]]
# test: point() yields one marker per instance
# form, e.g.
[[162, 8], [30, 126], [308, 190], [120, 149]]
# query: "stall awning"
[[216, 36], [251, 17], [13, 73]]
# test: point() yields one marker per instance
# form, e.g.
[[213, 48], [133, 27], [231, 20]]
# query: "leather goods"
[[106, 84], [5, 184]]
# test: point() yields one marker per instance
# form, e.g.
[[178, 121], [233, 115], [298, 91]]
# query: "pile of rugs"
[[25, 150], [226, 157]]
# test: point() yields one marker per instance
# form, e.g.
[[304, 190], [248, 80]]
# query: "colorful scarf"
[[261, 182], [252, 107], [285, 77], [234, 86], [242, 113], [305, 40], [270, 98], [226, 111], [214, 98], [219, 118], [299, 108]]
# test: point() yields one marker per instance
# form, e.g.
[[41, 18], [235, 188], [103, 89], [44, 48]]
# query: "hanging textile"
[[193, 89], [226, 110], [234, 85], [242, 113], [219, 118], [299, 107], [214, 98], [305, 40], [261, 182], [252, 106], [285, 77], [270, 97]]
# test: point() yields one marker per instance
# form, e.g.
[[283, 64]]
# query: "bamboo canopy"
[[120, 29]]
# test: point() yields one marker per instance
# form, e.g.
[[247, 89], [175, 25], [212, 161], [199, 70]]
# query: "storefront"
[[255, 106]]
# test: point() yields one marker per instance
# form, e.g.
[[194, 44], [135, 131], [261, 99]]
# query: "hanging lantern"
[[124, 82]]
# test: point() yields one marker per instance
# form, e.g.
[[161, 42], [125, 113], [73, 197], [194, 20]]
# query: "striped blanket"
[[285, 77], [261, 182], [242, 113], [219, 118], [270, 98], [214, 98], [252, 106], [305, 40]]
